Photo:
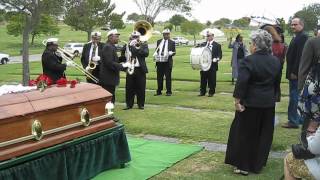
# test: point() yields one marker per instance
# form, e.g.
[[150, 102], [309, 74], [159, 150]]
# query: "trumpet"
[[69, 58]]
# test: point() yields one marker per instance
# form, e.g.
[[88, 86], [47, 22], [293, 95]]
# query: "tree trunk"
[[25, 52], [89, 35], [194, 40], [32, 39]]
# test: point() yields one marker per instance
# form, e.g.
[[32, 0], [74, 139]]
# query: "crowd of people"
[[257, 89]]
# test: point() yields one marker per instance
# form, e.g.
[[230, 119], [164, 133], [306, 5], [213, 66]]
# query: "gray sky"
[[233, 9]]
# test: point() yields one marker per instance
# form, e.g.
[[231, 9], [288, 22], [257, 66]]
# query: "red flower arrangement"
[[44, 81]]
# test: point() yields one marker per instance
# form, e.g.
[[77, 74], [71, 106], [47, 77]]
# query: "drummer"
[[209, 77]]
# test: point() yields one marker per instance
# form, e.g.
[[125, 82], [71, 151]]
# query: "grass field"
[[184, 115]]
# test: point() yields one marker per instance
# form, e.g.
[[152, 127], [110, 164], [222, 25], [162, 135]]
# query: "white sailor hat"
[[135, 33], [52, 41], [113, 32], [209, 33], [166, 31], [96, 33]]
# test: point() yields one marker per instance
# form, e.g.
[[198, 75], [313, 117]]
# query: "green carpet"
[[148, 159]]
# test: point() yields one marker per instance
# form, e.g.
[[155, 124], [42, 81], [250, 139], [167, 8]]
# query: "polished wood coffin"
[[58, 110]]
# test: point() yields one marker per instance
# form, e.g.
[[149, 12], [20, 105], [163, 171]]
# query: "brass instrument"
[[145, 29], [92, 64], [69, 58]]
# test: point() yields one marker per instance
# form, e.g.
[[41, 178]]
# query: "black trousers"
[[164, 70], [250, 139], [136, 85], [111, 89], [208, 78]]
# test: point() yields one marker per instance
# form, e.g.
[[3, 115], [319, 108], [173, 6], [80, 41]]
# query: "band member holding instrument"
[[166, 48], [90, 58], [52, 62], [110, 67], [135, 52], [209, 77]]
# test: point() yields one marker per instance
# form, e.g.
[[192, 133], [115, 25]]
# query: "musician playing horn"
[[91, 55], [209, 77], [110, 66], [52, 61], [166, 48], [135, 52]]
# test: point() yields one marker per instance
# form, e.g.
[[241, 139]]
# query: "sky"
[[213, 10]]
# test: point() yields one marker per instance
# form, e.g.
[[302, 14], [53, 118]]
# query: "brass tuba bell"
[[144, 28]]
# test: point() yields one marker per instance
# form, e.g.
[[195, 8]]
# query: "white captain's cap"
[[96, 33], [113, 32], [52, 41], [135, 33], [166, 31], [209, 33]]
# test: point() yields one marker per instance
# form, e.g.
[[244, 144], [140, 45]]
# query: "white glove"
[[215, 59], [96, 58], [133, 42], [70, 64], [170, 53], [126, 64]]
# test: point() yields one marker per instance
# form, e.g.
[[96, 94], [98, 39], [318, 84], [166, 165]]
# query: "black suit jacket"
[[294, 53], [171, 47], [110, 67], [52, 65], [215, 53], [258, 80], [86, 53], [139, 53]]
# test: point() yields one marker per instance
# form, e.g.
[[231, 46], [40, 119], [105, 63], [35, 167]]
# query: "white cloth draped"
[[8, 89]]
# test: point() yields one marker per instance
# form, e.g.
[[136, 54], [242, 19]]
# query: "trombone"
[[69, 58]]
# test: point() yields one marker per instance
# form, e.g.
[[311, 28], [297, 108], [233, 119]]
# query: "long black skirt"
[[250, 139]]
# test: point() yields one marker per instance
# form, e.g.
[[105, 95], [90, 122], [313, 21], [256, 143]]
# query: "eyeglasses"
[[294, 24]]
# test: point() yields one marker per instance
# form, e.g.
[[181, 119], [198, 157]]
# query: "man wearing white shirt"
[[209, 77], [166, 48], [92, 52]]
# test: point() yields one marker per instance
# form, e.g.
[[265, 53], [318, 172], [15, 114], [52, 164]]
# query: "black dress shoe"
[[210, 95], [169, 94], [126, 108], [158, 94], [201, 95], [290, 126], [141, 107]]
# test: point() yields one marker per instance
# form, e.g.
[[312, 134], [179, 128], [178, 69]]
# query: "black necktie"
[[164, 45], [93, 51]]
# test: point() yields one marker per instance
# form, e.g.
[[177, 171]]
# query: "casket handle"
[[36, 130], [85, 117]]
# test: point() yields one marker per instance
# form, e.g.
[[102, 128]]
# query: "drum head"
[[206, 60]]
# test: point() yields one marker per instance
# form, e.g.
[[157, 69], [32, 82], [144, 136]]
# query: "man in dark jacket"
[[209, 77], [110, 66], [91, 53], [52, 62], [166, 48], [136, 52], [293, 59]]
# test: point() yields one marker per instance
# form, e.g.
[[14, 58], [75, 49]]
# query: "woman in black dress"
[[251, 131]]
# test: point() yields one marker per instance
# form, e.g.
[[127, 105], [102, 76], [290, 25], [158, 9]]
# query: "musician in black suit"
[[135, 52], [209, 77], [91, 53], [52, 62], [110, 66], [166, 48], [293, 59]]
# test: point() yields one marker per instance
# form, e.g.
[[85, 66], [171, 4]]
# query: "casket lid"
[[21, 104]]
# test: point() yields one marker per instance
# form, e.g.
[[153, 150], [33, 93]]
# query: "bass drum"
[[200, 58]]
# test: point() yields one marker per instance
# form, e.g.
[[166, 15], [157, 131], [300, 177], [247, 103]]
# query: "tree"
[[2, 15], [282, 23], [222, 22], [86, 15], [192, 28], [47, 26], [31, 10], [151, 8], [310, 15], [176, 20], [168, 26], [242, 22], [135, 17], [208, 23], [116, 21]]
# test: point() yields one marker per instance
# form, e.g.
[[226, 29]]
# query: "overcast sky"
[[233, 9]]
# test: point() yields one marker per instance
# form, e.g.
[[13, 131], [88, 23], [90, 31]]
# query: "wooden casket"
[[35, 120]]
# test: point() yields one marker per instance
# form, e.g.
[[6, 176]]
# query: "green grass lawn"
[[184, 115]]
